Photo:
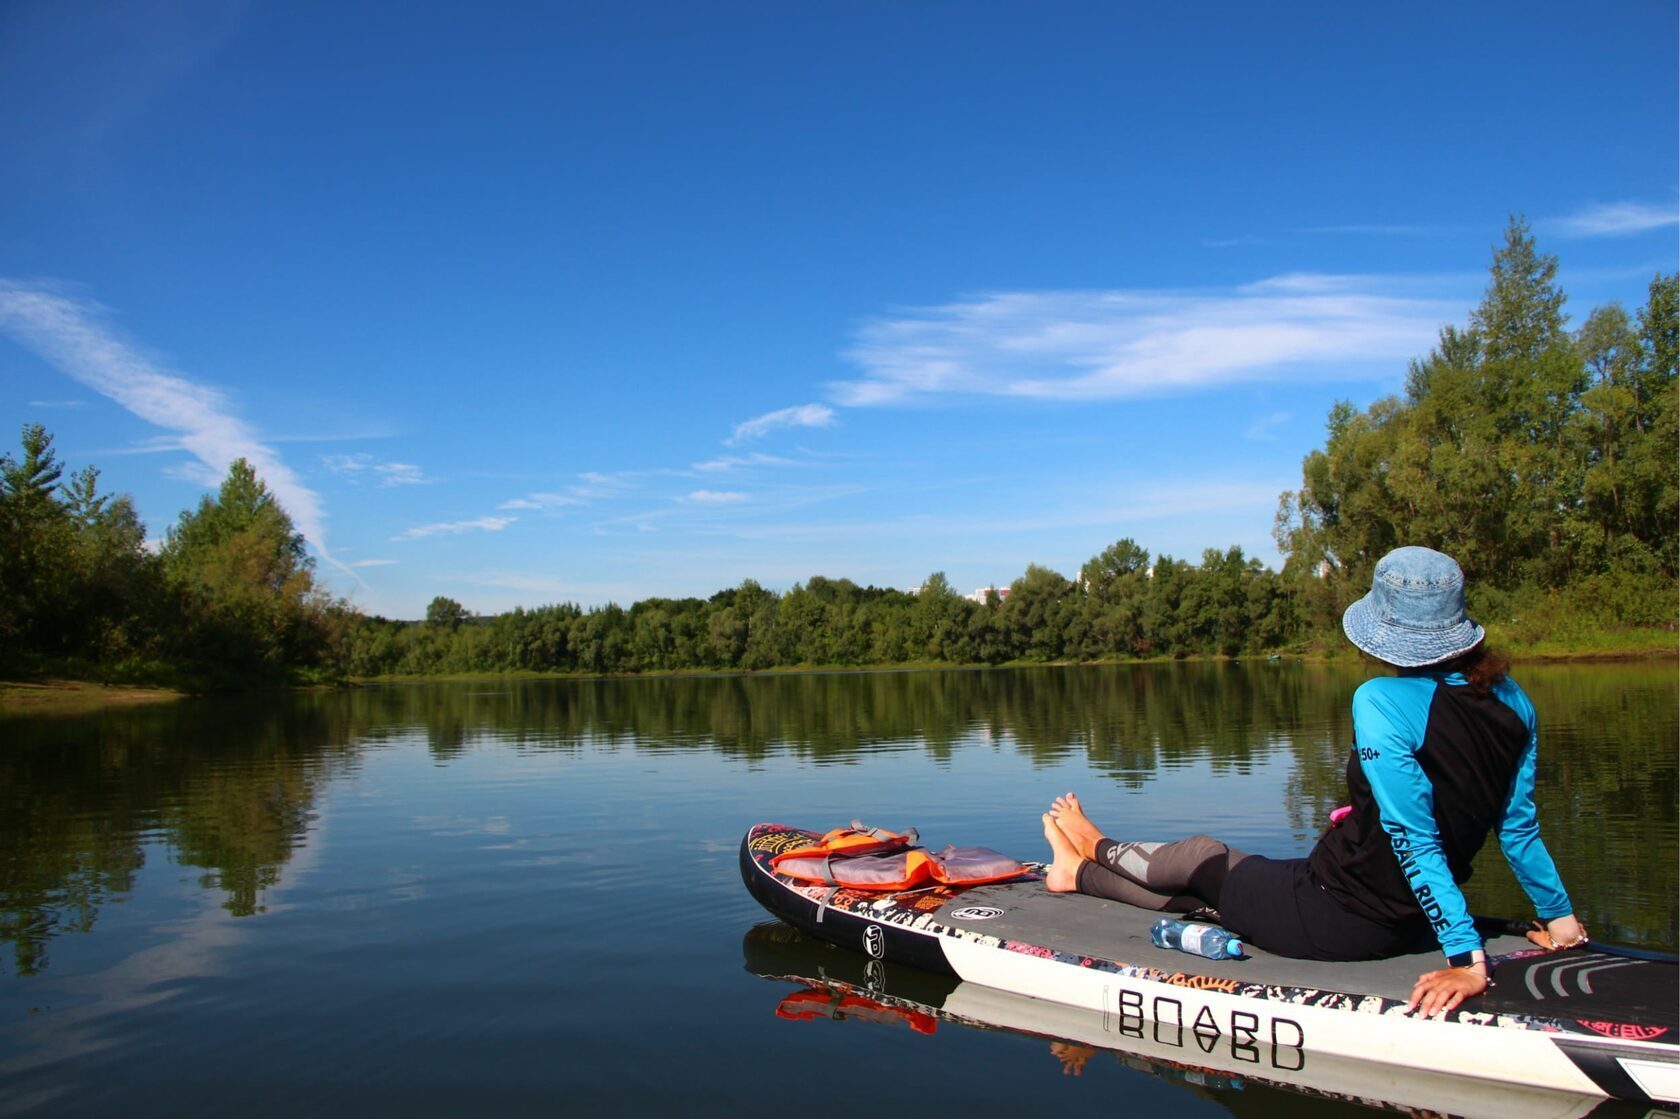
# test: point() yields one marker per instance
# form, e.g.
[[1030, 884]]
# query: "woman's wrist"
[[1476, 963], [1566, 931]]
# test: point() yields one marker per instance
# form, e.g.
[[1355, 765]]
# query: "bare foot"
[[1063, 875], [1077, 826]]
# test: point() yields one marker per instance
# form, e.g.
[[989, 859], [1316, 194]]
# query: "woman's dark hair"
[[1481, 668]]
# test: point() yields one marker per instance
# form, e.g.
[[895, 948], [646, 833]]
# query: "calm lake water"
[[522, 897]]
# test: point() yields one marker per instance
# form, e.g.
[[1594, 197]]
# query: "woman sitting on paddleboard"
[[1443, 753]]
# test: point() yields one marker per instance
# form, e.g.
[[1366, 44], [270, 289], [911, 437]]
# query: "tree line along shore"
[[1544, 459]]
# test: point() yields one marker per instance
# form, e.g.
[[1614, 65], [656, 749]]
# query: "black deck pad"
[[1618, 997], [1079, 925], [1637, 997]]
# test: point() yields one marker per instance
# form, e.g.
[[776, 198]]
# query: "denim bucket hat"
[[1414, 614]]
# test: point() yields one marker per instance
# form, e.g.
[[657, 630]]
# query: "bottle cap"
[[1234, 947]]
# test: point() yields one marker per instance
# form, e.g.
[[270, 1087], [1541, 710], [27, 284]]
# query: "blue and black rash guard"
[[1434, 769]]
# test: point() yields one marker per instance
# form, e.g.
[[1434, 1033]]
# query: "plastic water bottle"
[[1198, 940]]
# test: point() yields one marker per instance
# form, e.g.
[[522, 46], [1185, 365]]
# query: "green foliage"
[[445, 614], [244, 585], [1543, 461], [230, 600], [76, 581], [1117, 609]]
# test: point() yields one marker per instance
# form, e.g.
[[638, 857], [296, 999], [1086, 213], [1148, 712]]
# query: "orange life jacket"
[[858, 839], [861, 858]]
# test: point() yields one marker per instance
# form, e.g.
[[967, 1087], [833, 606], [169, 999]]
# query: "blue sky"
[[526, 303]]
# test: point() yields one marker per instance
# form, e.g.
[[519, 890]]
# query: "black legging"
[[1271, 903], [1180, 877]]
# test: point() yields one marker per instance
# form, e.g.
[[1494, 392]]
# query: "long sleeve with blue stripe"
[[1389, 723], [1519, 826], [1391, 727]]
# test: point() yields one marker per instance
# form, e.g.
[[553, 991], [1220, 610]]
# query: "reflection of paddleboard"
[[861, 989], [1578, 1022]]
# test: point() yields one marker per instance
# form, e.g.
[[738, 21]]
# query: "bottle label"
[[1192, 938]]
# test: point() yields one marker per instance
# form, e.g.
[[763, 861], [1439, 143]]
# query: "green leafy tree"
[[1608, 422], [245, 583], [36, 587], [117, 579], [1543, 460], [31, 482], [940, 621], [76, 582], [1037, 613], [1534, 378], [1115, 583], [445, 614], [1655, 511], [1104, 574]]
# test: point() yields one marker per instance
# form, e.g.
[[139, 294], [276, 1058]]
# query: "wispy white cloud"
[[58, 404], [401, 474], [1378, 229], [163, 444], [155, 445], [456, 528], [195, 472], [386, 474], [1145, 500], [1264, 427], [1614, 219], [1355, 229], [373, 563], [725, 463], [68, 333], [537, 501], [592, 486], [710, 512], [1091, 345], [803, 415]]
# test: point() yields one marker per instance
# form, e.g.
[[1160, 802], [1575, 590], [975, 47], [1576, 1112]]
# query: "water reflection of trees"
[[230, 788], [1128, 720]]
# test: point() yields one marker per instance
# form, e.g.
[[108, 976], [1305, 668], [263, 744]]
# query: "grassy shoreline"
[[65, 695], [1596, 656]]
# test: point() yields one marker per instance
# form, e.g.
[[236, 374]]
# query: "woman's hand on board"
[[1437, 992], [1559, 933]]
